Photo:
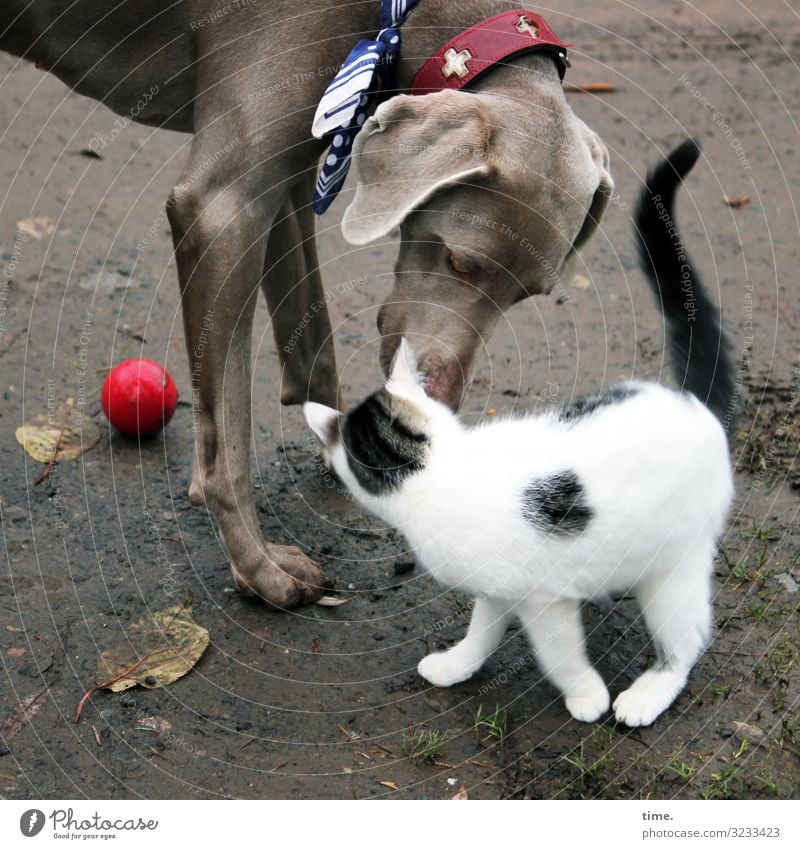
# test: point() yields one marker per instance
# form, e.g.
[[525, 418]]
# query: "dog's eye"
[[458, 265]]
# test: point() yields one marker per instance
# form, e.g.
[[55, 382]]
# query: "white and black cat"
[[626, 490]]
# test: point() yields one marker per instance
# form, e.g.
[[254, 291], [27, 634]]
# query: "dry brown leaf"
[[390, 784], [735, 203], [590, 88], [37, 226], [174, 643], [12, 629], [460, 794], [19, 718], [41, 436], [333, 600], [16, 652]]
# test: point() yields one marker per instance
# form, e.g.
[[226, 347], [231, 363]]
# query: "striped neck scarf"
[[352, 96]]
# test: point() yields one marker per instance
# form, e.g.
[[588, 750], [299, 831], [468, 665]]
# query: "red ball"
[[139, 397]]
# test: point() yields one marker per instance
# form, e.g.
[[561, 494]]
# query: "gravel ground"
[[324, 703]]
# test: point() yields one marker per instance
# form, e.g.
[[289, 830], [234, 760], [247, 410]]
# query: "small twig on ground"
[[102, 685], [45, 473]]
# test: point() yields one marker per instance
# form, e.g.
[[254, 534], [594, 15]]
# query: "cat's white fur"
[[657, 474]]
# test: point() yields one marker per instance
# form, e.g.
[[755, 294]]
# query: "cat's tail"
[[697, 345]]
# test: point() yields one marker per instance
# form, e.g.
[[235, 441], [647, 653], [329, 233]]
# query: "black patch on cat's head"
[[582, 407], [557, 504], [382, 450]]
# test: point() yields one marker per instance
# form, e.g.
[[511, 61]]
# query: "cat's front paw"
[[442, 670], [589, 708]]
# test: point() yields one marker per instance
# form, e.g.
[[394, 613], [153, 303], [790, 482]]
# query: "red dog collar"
[[473, 52]]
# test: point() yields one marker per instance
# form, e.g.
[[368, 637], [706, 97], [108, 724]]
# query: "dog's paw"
[[442, 670], [647, 698], [283, 577], [589, 708]]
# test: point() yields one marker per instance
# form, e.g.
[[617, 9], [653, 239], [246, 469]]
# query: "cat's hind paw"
[[589, 708], [647, 698], [442, 670]]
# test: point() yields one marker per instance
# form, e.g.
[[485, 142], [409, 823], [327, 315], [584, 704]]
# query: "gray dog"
[[445, 168]]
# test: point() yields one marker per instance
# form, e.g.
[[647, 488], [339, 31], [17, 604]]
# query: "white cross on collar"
[[456, 63]]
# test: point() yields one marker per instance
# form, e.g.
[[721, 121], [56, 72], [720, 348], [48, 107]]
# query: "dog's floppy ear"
[[322, 420], [603, 192], [413, 146]]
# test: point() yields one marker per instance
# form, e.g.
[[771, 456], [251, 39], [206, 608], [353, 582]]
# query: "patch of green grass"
[[421, 744], [722, 690], [758, 611], [783, 659], [590, 772], [492, 725], [682, 769], [768, 438], [762, 534], [737, 568], [764, 775], [722, 782], [752, 567], [779, 699]]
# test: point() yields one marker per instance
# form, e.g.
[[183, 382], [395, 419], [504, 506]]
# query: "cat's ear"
[[404, 378], [322, 420]]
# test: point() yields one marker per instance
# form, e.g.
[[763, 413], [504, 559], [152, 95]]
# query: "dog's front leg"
[[219, 245]]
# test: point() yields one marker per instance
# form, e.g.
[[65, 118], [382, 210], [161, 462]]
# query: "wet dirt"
[[325, 702]]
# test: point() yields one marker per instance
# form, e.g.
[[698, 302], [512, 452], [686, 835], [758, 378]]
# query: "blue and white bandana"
[[352, 96]]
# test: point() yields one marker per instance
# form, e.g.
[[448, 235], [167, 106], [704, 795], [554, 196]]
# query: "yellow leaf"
[[171, 644], [40, 437]]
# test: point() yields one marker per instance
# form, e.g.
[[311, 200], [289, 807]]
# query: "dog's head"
[[491, 197]]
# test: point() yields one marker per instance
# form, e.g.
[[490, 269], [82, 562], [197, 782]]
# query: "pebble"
[[403, 567], [787, 582]]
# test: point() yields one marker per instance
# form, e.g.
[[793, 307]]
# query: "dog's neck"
[[434, 22]]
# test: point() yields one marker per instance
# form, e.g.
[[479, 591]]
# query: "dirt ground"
[[326, 702]]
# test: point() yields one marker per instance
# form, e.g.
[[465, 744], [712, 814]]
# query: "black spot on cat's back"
[[580, 408], [557, 504]]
